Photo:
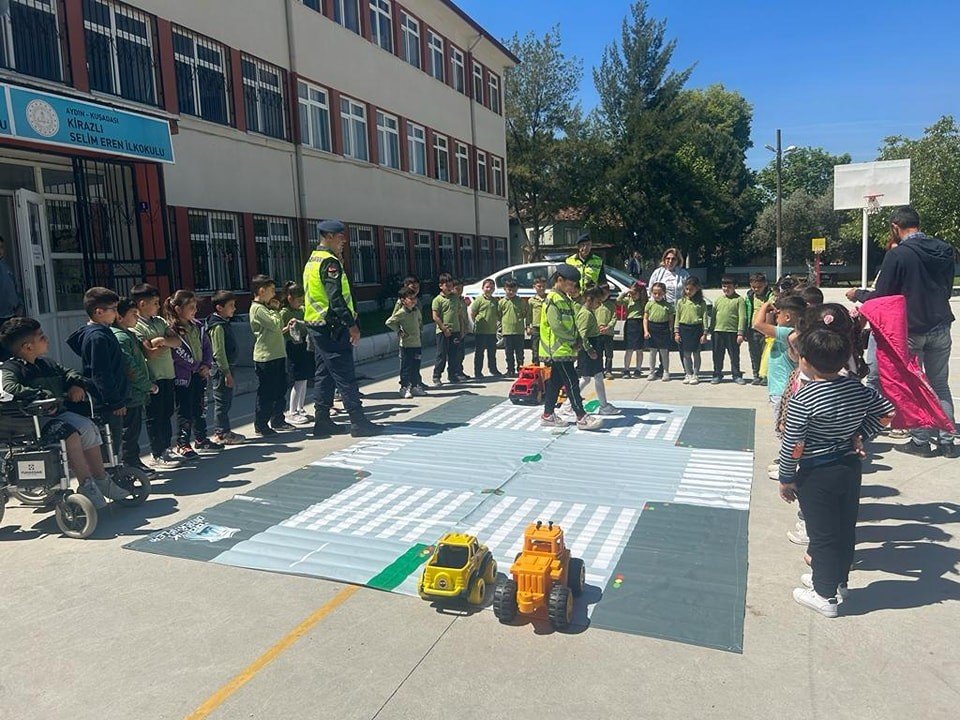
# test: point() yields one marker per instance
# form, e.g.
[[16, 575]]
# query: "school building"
[[195, 144]]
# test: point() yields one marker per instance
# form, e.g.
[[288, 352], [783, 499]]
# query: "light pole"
[[780, 153]]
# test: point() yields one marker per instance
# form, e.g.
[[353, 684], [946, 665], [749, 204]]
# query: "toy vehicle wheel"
[[38, 496], [489, 570], [505, 601], [516, 401], [576, 576], [560, 607], [76, 516], [477, 591], [134, 482]]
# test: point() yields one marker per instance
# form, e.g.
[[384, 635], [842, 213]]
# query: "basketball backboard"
[[888, 181]]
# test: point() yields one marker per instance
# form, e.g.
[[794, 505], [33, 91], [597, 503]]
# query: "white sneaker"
[[418, 391], [161, 463], [89, 489], [651, 377], [843, 592], [170, 458], [566, 413], [299, 419], [589, 422], [608, 409], [798, 536], [407, 394], [694, 380], [665, 378], [552, 421], [686, 379], [773, 467], [775, 473], [809, 598]]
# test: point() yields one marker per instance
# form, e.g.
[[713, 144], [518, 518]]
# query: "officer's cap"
[[330, 227], [585, 238], [568, 272]]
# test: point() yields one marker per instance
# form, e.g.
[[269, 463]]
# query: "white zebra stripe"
[[615, 539], [421, 512], [546, 515], [593, 525], [370, 510], [330, 503], [441, 518], [511, 523], [361, 501], [492, 515]]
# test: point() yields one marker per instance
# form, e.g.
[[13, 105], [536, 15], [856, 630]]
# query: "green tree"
[[808, 169], [805, 217], [540, 104]]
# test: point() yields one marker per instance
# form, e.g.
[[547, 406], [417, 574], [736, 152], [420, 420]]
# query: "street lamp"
[[780, 153]]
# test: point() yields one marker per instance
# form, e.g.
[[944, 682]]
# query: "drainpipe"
[[468, 77], [301, 191]]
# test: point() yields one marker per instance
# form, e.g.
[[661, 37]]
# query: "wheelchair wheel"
[[135, 482], [76, 516], [38, 496]]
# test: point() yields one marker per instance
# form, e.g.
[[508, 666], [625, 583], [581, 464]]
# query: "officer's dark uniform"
[[330, 313]]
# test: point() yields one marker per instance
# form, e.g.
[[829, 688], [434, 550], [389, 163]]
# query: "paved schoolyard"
[[95, 631]]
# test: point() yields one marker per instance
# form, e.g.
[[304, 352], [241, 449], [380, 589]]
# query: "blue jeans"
[[222, 402], [933, 353]]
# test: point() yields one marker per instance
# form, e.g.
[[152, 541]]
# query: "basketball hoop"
[[872, 206]]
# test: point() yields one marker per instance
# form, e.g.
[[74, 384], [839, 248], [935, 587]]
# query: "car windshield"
[[620, 276], [526, 274]]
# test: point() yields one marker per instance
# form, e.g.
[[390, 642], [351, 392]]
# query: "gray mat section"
[[684, 577], [719, 429]]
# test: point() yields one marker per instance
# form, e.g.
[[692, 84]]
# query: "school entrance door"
[[33, 243]]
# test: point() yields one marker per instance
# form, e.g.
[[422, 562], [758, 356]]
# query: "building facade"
[[195, 144]]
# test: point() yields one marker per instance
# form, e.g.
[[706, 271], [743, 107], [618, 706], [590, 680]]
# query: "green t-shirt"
[[587, 327], [536, 307], [268, 341], [513, 316], [659, 311], [634, 306], [408, 324], [606, 314], [161, 364], [730, 314], [448, 308], [692, 312], [485, 314]]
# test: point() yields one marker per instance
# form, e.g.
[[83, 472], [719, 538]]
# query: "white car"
[[618, 280]]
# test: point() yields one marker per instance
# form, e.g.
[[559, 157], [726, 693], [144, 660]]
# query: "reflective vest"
[[590, 268], [557, 343], [317, 302]]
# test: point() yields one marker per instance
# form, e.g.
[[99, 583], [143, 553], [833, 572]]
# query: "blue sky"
[[828, 73]]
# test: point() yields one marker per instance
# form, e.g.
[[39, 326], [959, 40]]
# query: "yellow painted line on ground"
[[221, 695]]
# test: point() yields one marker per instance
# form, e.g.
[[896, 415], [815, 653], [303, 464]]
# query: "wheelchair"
[[35, 471]]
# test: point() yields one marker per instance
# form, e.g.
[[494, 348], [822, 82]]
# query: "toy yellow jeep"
[[545, 579], [459, 568]]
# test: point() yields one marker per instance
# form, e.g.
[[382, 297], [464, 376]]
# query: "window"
[[441, 158], [263, 98], [423, 257], [493, 85], [276, 248], [396, 242], [481, 171], [363, 255], [217, 251], [314, 5], [353, 117], [500, 251], [381, 24], [463, 165], [478, 82], [347, 13], [486, 261], [459, 73], [410, 34], [388, 140], [497, 165], [447, 258], [120, 51], [436, 55], [314, 116], [417, 149], [202, 69], [466, 257], [30, 39]]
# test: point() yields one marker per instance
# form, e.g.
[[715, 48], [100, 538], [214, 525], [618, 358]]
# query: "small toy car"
[[459, 568], [545, 579], [528, 388]]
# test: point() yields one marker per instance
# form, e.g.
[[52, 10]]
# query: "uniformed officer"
[[331, 316], [589, 264]]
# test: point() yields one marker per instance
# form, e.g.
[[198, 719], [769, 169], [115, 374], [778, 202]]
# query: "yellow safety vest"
[[557, 343], [589, 270], [317, 302]]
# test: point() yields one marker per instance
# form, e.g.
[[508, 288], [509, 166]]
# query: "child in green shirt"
[[301, 366], [269, 358], [692, 320], [729, 330], [139, 388], [513, 325], [606, 314], [657, 324], [446, 314], [634, 301], [535, 304], [407, 322], [485, 311], [590, 358]]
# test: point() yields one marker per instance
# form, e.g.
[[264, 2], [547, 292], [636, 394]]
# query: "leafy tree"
[[808, 169], [540, 104], [805, 217]]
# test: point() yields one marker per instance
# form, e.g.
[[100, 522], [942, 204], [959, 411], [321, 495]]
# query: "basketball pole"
[[864, 249]]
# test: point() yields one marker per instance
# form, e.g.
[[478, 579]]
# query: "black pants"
[[158, 412], [830, 502], [485, 344], [726, 343], [563, 374], [513, 344], [410, 367], [756, 340], [130, 445], [191, 402], [605, 349], [222, 402], [535, 345], [334, 359], [447, 350], [271, 392]]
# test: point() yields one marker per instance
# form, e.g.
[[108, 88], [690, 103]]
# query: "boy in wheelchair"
[[27, 377]]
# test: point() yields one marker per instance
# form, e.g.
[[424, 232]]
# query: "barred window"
[[448, 262], [441, 158], [120, 54], [217, 250], [436, 55], [277, 249], [353, 116], [202, 69], [30, 39], [481, 171], [466, 257], [396, 242], [423, 257], [347, 13], [463, 165], [381, 24], [410, 32], [459, 71], [388, 140], [417, 148], [364, 268], [263, 98], [314, 116]]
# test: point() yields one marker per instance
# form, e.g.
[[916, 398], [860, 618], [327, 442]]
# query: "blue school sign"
[[57, 120]]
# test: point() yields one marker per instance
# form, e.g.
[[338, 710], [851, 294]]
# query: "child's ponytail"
[[172, 304]]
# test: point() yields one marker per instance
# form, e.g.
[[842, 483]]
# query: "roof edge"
[[479, 28]]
